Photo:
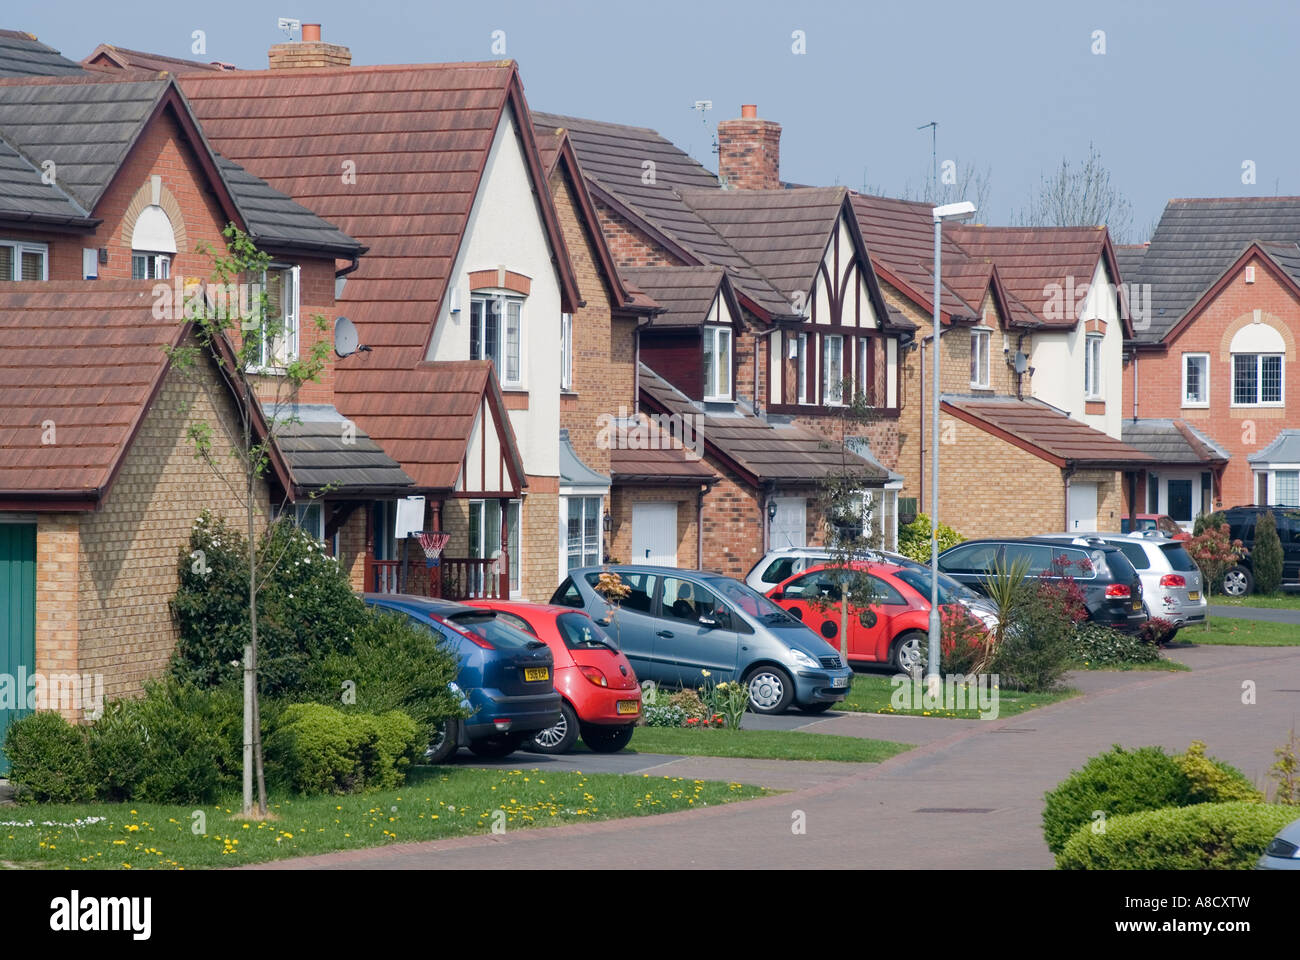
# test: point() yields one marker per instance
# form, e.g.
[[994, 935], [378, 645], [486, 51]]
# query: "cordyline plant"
[[845, 501], [228, 318]]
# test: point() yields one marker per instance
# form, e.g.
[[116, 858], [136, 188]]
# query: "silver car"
[[1171, 582], [1283, 853]]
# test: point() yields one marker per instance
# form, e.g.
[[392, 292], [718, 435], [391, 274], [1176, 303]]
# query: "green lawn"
[[1169, 666], [763, 744], [1272, 601], [1243, 633], [872, 693], [437, 802]]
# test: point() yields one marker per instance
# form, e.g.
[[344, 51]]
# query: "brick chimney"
[[749, 152], [311, 51]]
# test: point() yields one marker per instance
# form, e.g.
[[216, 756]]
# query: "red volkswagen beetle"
[[601, 699], [892, 630]]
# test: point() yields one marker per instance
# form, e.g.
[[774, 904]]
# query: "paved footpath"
[[970, 798], [1271, 614]]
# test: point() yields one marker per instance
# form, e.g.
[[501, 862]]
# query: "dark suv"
[[1111, 587], [1240, 580]]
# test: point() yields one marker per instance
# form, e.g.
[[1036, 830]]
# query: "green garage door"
[[17, 620]]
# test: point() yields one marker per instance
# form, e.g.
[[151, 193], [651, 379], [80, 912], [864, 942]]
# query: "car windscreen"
[[1178, 557], [950, 591], [749, 601], [496, 632], [581, 633]]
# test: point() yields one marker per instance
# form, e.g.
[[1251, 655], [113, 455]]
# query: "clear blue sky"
[[1185, 92]]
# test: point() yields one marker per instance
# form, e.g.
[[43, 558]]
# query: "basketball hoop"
[[432, 542]]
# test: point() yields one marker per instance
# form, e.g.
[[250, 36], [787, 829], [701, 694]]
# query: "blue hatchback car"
[[675, 624], [507, 676]]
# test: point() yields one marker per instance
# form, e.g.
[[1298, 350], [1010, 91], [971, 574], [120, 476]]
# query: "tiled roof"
[[656, 457], [419, 137], [684, 293], [1130, 257], [87, 359], [1285, 448], [423, 417], [22, 55], [321, 453], [1046, 431], [1032, 259], [760, 450], [1196, 240], [109, 57], [1168, 440]]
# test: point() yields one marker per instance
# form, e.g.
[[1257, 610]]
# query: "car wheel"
[[908, 651], [559, 738], [1238, 582], [445, 743], [494, 748], [770, 689], [607, 739], [820, 707]]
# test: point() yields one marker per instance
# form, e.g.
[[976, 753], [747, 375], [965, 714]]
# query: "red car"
[[893, 630], [1156, 521], [601, 699]]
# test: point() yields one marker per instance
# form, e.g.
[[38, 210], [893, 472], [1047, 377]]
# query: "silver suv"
[[1171, 582]]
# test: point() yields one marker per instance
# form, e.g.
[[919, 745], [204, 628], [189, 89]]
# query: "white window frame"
[[263, 364], [1093, 384], [715, 336], [503, 303], [566, 351], [1259, 380], [1205, 380], [832, 391], [310, 516], [1275, 493], [981, 342], [479, 549], [158, 266], [865, 390], [801, 368], [19, 247], [587, 508]]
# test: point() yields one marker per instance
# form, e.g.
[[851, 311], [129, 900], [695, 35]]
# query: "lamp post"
[[957, 212]]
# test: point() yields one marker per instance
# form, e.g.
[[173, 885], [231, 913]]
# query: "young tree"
[[1266, 556], [231, 325], [1079, 195]]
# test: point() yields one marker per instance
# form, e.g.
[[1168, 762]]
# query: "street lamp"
[[956, 212]]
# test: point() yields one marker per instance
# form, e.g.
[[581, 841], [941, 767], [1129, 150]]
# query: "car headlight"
[[802, 659]]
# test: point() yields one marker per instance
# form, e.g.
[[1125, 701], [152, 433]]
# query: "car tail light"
[[1173, 580], [477, 640], [1118, 590], [502, 724], [595, 676]]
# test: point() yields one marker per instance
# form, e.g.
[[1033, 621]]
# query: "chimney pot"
[[311, 33], [748, 111]]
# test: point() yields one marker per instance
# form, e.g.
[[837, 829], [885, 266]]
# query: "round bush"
[[1116, 782], [318, 749], [49, 759], [1206, 836], [1213, 781]]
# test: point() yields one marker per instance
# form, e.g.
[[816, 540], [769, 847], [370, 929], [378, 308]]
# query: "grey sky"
[[1184, 93]]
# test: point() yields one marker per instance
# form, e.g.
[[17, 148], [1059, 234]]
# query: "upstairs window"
[[150, 266], [717, 363], [279, 332], [801, 367], [833, 370], [979, 358], [566, 351], [23, 261], [1257, 365], [1092, 384], [495, 334], [865, 370], [153, 244], [1196, 379]]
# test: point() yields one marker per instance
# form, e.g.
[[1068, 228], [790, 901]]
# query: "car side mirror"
[[777, 596], [708, 622]]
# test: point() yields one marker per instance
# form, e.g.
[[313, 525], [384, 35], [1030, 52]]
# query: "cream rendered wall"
[[506, 229]]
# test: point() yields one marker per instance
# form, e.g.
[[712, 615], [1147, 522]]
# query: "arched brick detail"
[[142, 199], [1245, 320], [493, 279]]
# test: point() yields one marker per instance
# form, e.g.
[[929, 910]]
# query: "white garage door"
[[1083, 507], [790, 525], [654, 534]]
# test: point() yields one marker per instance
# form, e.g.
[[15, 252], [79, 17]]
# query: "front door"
[[1083, 507], [790, 524], [17, 622], [1180, 502], [654, 534]]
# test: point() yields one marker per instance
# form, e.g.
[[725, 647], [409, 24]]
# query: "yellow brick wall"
[[620, 535], [128, 550], [57, 538], [540, 546]]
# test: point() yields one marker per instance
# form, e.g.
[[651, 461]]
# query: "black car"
[[1111, 587], [1240, 580]]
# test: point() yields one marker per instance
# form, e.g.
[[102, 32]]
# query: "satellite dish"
[[346, 341]]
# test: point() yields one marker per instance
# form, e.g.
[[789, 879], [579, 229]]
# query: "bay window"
[[582, 532], [495, 334], [485, 542], [717, 363]]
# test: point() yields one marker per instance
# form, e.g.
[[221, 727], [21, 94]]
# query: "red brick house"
[[1211, 376]]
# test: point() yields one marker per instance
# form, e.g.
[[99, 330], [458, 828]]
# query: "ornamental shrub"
[[914, 538], [1213, 781], [320, 749], [49, 759], [1206, 836], [1037, 647], [1266, 556], [1098, 645]]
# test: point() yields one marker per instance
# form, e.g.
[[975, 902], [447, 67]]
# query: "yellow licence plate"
[[1193, 594], [537, 673], [629, 706]]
